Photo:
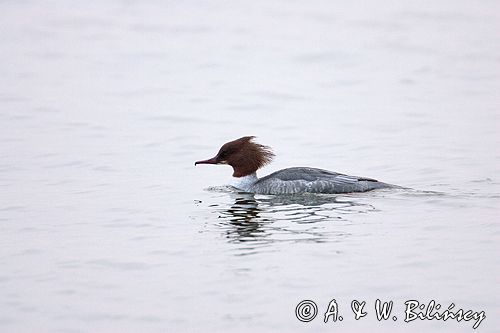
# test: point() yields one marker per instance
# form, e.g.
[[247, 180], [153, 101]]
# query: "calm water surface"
[[106, 225]]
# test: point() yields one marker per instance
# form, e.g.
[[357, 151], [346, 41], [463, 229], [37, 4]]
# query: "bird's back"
[[313, 180]]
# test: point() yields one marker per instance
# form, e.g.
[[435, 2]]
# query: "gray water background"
[[106, 225]]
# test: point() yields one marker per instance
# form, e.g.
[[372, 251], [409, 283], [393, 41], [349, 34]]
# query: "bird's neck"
[[246, 182]]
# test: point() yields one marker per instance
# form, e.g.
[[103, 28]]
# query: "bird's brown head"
[[243, 154]]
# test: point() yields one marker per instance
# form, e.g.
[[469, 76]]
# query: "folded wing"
[[312, 180]]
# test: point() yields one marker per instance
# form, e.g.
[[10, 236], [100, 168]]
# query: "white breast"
[[245, 183]]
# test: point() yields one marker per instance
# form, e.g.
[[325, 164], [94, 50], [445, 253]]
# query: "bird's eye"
[[223, 155]]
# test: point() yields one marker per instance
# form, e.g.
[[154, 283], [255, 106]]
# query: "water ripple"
[[262, 220]]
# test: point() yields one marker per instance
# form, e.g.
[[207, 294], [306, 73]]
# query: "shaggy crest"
[[245, 155]]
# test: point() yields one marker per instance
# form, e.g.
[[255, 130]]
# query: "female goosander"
[[246, 157]]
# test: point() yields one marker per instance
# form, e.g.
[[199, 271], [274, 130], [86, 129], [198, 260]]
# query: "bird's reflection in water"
[[297, 218], [244, 219]]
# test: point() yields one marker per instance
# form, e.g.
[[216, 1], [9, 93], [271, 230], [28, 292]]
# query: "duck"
[[246, 156]]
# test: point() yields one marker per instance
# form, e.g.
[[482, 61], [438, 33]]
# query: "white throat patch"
[[245, 183]]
